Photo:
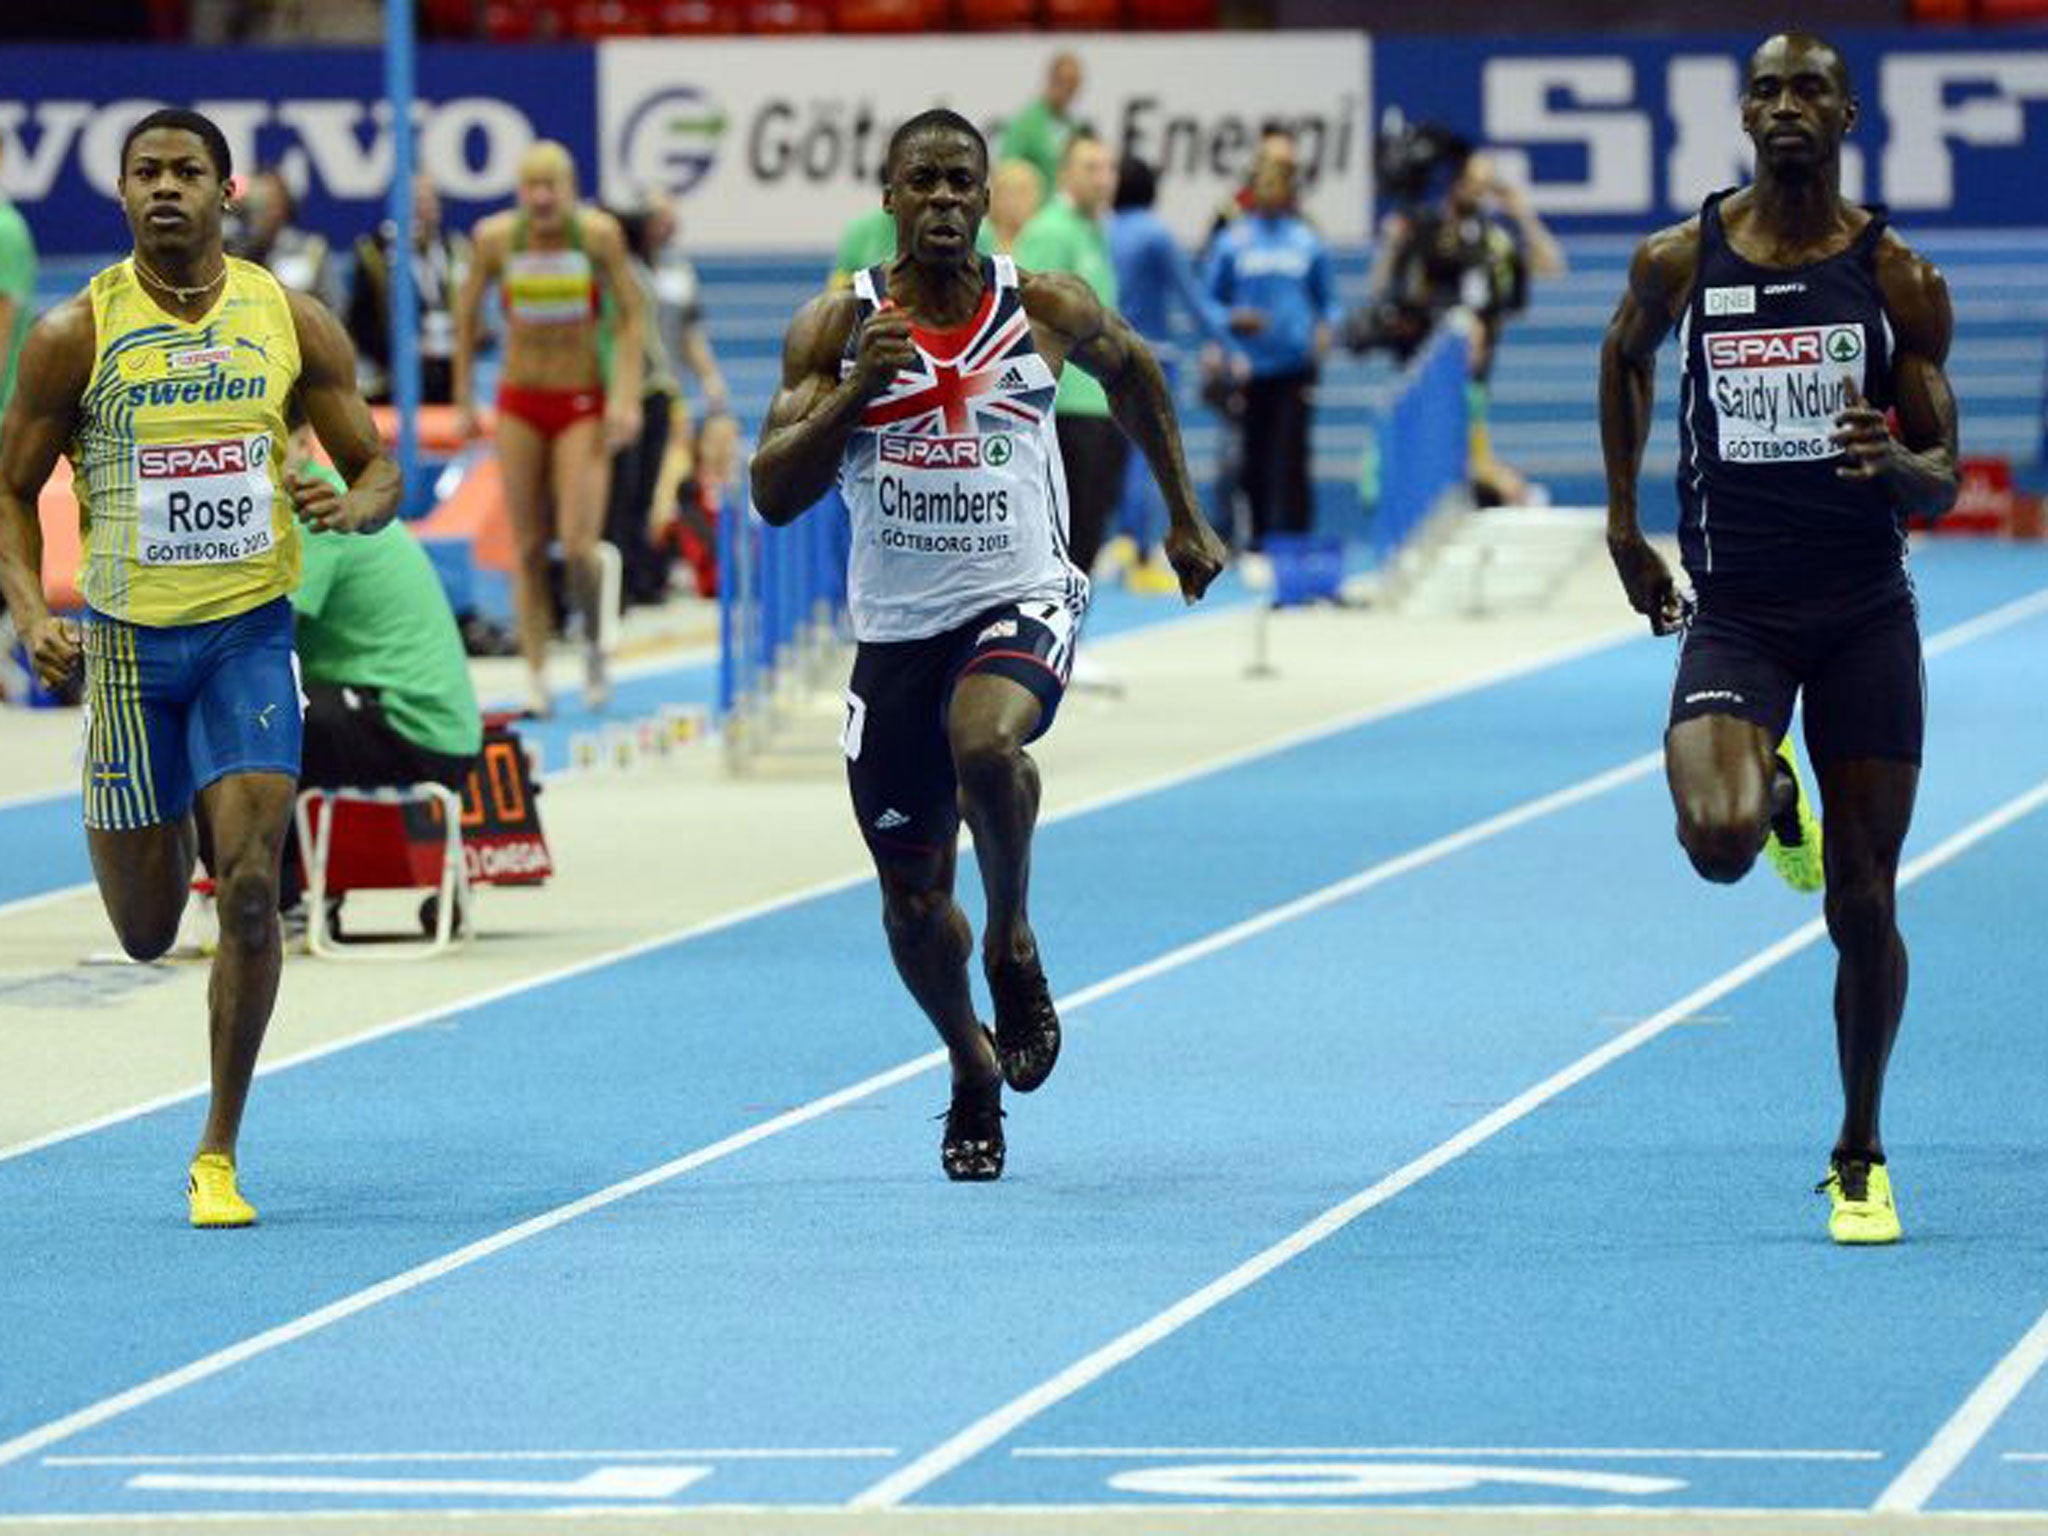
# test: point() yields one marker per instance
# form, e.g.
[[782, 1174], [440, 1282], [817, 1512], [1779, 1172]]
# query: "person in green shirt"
[[1069, 234], [1040, 132], [17, 292], [389, 699]]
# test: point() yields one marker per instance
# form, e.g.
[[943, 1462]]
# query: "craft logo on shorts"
[[671, 140], [178, 461], [943, 452]]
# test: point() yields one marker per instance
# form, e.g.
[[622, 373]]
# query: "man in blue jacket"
[[1271, 273]]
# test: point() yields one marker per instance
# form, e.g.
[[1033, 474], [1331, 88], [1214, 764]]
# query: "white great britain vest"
[[953, 477]]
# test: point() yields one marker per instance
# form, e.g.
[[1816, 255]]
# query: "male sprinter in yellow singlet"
[[167, 384]]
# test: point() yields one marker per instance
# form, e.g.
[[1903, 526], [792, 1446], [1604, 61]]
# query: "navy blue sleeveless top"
[[1768, 353]]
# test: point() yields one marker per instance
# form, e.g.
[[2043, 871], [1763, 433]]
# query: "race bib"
[[1776, 393], [945, 496], [203, 503]]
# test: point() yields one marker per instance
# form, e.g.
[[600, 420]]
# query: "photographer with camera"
[[1474, 247]]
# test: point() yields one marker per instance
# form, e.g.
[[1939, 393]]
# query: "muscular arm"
[[1659, 284], [1919, 467], [1659, 281], [1098, 342], [813, 413], [342, 422], [56, 364]]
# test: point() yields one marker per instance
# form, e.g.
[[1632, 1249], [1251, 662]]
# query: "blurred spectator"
[[1271, 274], [440, 257], [636, 467], [260, 229], [17, 290], [679, 301], [868, 240], [1277, 143], [1039, 133], [1151, 271], [389, 699], [1068, 235], [1475, 249], [705, 499], [1014, 195]]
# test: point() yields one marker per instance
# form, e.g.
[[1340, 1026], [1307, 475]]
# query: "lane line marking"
[[832, 886], [986, 1431], [1952, 1444], [113, 1407], [372, 1458], [1544, 1452]]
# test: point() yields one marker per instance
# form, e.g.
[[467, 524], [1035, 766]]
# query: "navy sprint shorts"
[[171, 710], [899, 763], [1853, 660]]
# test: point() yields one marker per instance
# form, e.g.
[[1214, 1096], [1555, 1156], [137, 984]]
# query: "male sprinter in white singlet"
[[1802, 318], [926, 392], [167, 382]]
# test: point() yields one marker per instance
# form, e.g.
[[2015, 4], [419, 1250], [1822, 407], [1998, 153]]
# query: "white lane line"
[[1220, 764], [991, 1428], [23, 904], [377, 1458], [1969, 1424], [52, 1433], [1518, 1452]]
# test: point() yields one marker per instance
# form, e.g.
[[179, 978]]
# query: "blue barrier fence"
[[781, 606], [1424, 441]]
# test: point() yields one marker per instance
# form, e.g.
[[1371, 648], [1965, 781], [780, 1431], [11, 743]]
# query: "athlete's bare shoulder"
[[1665, 263], [817, 336], [1055, 297], [493, 233], [64, 337], [601, 229], [1915, 297]]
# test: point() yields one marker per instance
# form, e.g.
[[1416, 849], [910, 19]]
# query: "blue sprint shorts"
[[171, 710]]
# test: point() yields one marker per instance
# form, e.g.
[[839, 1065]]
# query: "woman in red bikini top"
[[559, 416]]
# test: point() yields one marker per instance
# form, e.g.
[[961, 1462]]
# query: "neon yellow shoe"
[[210, 1187], [1793, 846], [1860, 1202]]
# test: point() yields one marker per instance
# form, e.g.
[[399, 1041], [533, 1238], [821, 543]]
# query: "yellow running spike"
[[1793, 846], [1860, 1208], [215, 1201]]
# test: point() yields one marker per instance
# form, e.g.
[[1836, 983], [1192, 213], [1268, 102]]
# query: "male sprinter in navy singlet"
[[1803, 319], [926, 392]]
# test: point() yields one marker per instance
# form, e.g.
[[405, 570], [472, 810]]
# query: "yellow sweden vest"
[[178, 458]]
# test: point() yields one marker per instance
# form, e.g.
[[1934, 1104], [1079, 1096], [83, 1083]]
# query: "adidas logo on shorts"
[[890, 820]]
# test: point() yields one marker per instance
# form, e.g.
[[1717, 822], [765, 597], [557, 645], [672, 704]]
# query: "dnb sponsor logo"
[[178, 461], [947, 452], [1804, 347], [672, 139]]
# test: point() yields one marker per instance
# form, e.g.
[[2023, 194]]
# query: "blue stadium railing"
[[781, 615], [1424, 441]]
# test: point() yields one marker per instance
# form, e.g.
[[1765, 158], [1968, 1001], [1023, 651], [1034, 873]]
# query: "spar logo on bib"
[[936, 496], [1776, 393], [204, 503]]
